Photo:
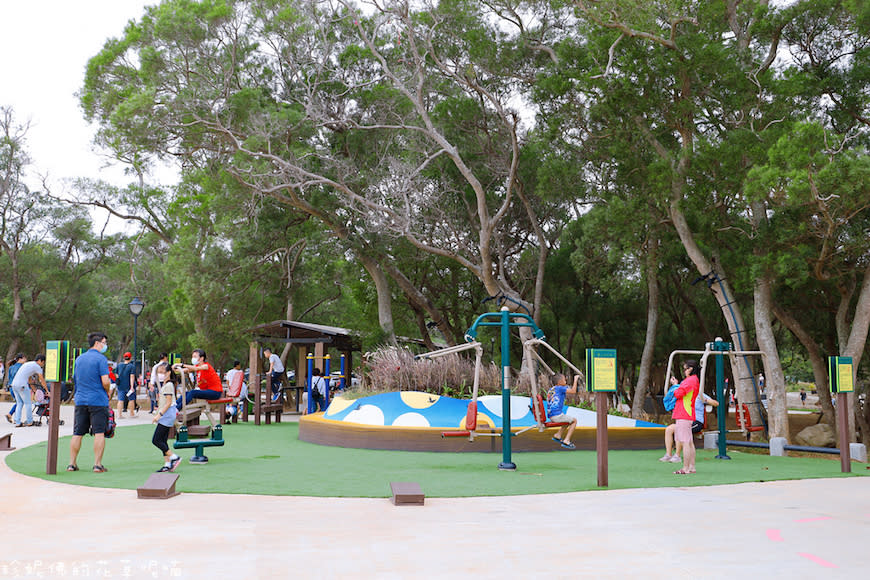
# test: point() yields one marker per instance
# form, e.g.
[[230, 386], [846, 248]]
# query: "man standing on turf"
[[91, 400]]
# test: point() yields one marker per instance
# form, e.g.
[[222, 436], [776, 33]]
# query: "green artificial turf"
[[270, 460]]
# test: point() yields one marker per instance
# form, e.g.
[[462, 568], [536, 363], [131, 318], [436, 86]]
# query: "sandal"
[[100, 469], [568, 445], [557, 440], [72, 467], [683, 472]]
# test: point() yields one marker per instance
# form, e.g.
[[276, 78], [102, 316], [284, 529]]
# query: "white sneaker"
[[675, 459], [665, 458]]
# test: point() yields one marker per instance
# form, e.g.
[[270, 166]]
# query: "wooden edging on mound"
[[315, 429]]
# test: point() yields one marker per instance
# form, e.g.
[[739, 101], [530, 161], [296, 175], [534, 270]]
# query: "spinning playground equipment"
[[504, 320]]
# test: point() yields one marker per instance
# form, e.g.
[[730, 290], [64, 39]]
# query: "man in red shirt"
[[208, 383]]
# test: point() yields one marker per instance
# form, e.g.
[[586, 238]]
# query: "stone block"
[[858, 452], [777, 446], [711, 440]]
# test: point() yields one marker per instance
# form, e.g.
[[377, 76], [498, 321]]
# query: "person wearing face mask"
[[165, 417], [91, 378], [208, 383]]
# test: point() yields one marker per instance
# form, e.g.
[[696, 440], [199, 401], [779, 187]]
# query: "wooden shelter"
[[307, 337]]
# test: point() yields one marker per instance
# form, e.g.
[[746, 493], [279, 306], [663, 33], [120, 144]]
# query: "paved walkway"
[[795, 529]]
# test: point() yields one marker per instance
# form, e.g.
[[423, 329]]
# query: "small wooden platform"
[[6, 442], [159, 486], [406, 493]]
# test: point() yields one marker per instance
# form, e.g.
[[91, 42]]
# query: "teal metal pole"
[[506, 434], [722, 409]]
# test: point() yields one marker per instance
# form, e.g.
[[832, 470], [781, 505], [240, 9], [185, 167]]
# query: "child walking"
[[165, 416]]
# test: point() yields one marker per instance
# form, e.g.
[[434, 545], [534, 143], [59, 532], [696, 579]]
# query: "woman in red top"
[[208, 383], [684, 413]]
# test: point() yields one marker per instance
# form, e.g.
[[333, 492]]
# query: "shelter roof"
[[291, 331]]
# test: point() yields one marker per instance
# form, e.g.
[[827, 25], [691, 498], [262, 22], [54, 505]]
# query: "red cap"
[[128, 355]]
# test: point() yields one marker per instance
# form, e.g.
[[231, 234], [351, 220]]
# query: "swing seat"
[[540, 413], [470, 422], [744, 421]]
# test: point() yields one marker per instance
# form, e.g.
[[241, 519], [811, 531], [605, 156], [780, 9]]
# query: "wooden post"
[[843, 429], [254, 378], [601, 436], [53, 425]]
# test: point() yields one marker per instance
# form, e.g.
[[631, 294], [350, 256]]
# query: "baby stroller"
[[41, 401]]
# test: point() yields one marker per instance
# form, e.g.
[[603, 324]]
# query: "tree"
[[377, 126]]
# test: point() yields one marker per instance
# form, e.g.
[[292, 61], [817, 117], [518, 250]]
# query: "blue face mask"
[[104, 348]]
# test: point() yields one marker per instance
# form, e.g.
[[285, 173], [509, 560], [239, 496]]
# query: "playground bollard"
[[711, 440], [777, 446]]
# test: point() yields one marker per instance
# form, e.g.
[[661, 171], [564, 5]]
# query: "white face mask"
[[195, 360], [161, 378]]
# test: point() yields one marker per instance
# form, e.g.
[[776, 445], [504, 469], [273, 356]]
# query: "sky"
[[44, 48]]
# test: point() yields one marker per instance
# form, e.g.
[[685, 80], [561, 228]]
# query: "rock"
[[821, 435]]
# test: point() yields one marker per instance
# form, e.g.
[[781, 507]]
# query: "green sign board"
[[57, 361], [601, 370], [175, 358], [840, 372], [75, 353]]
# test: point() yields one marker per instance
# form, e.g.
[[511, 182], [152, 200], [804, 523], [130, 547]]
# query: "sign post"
[[840, 371], [57, 370], [601, 379]]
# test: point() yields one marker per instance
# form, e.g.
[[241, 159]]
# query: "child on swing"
[[165, 416], [556, 409]]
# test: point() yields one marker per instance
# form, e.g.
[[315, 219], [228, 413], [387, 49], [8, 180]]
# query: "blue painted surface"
[[409, 409]]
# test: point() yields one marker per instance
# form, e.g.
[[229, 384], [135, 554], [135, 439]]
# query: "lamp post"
[[136, 306]]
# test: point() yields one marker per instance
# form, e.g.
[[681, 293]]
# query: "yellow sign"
[[56, 362], [844, 378], [601, 369], [840, 373]]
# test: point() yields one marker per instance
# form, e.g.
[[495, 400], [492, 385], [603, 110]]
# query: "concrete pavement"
[[799, 529]]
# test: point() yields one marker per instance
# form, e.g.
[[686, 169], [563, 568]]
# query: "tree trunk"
[[385, 299], [418, 299], [652, 323], [743, 375], [817, 361], [777, 409], [857, 341]]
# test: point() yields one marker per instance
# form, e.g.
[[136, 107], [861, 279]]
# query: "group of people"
[[688, 414], [93, 386], [94, 380], [23, 376]]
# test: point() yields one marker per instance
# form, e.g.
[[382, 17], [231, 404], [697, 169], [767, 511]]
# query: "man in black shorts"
[[92, 400]]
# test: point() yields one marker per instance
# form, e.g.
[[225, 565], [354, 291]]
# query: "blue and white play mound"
[[416, 409]]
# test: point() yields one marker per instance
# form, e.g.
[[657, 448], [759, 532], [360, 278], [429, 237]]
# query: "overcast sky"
[[44, 47]]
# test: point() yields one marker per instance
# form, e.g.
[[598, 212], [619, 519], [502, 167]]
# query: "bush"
[[395, 369]]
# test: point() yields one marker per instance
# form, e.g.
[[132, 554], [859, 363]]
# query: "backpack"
[[670, 401], [110, 425]]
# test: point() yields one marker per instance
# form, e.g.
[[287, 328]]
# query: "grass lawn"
[[270, 460]]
